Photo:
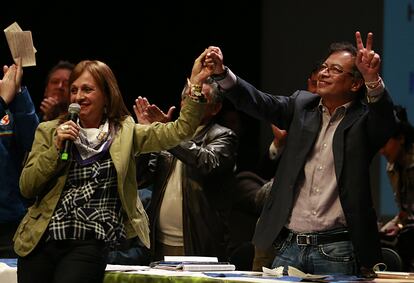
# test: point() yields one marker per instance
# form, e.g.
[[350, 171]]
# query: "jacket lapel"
[[120, 150], [352, 114], [198, 138]]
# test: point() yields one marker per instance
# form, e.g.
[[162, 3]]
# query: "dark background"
[[151, 45], [151, 49]]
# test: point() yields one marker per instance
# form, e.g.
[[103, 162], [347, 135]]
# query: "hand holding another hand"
[[215, 57], [201, 69]]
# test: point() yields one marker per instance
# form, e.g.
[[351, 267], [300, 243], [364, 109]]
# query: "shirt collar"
[[338, 112]]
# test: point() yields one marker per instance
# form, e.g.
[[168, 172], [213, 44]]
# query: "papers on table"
[[217, 266], [192, 263], [115, 267], [7, 273], [12, 262], [395, 275], [21, 44], [281, 271], [191, 258]]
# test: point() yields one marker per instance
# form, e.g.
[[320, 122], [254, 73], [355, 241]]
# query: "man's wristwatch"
[[221, 76]]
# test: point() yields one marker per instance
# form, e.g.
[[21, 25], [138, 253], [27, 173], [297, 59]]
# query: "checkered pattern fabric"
[[89, 207]]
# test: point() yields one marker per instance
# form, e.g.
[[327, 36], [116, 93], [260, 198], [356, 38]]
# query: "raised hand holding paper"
[[21, 44]]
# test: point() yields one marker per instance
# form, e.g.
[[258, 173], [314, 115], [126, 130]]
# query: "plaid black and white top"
[[89, 207]]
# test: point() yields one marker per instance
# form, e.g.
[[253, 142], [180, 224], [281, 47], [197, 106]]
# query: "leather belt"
[[319, 239]]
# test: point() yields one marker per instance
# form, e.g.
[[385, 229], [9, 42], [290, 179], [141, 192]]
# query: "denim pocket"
[[280, 245], [337, 251]]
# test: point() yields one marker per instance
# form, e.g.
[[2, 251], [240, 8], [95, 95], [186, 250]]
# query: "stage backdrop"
[[398, 73]]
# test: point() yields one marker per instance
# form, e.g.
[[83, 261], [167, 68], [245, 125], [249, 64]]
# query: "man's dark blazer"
[[362, 132]]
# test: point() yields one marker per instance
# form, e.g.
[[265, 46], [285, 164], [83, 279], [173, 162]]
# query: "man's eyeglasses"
[[333, 69]]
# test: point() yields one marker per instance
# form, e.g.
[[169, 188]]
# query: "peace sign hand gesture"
[[368, 62]]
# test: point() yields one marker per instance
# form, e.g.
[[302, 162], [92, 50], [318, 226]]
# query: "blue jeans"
[[130, 252], [331, 258]]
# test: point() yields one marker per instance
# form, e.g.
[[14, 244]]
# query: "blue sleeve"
[[26, 120], [2, 111]]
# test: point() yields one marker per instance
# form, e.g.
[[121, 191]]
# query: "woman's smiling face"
[[85, 91]]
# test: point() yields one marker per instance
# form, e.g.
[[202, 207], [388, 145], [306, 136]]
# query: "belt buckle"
[[303, 240]]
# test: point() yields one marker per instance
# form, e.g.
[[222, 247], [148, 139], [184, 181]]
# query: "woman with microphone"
[[87, 203]]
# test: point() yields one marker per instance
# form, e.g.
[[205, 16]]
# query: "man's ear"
[[217, 108]]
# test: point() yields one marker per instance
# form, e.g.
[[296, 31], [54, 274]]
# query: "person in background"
[[312, 81], [88, 203], [56, 96], [319, 215], [191, 184], [399, 152], [18, 122]]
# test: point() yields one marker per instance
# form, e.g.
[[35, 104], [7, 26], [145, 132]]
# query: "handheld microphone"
[[73, 113]]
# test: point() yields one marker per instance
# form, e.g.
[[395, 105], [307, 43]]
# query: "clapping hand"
[[10, 84], [147, 113], [50, 108], [279, 136]]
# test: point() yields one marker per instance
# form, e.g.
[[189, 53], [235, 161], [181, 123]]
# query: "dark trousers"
[[67, 261], [162, 250], [7, 231]]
